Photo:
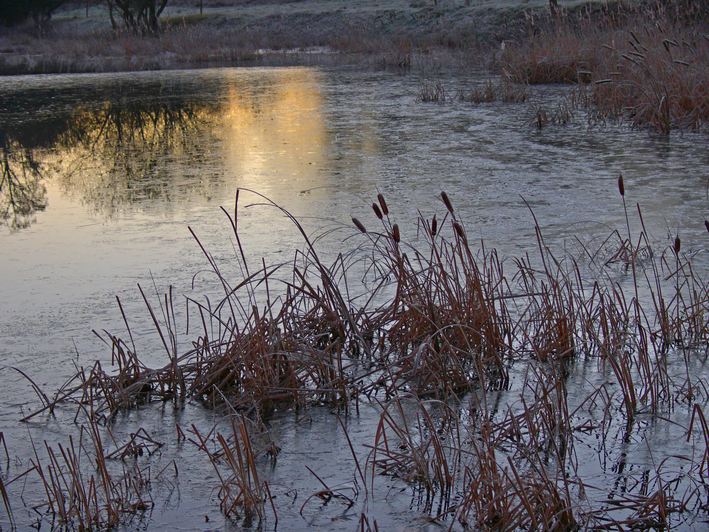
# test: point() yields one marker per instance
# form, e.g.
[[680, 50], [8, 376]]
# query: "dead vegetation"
[[503, 91], [432, 92], [87, 495], [646, 64], [445, 326]]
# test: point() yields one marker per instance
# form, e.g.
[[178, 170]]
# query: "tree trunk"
[[554, 8]]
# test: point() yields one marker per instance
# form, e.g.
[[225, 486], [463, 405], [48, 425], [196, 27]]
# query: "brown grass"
[[241, 492], [441, 318], [503, 91], [651, 68], [456, 316], [432, 92], [77, 497]]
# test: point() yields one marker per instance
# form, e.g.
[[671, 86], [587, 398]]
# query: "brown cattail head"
[[621, 185], [359, 225], [395, 233], [434, 226], [376, 210], [459, 230], [383, 204], [447, 202], [678, 245]]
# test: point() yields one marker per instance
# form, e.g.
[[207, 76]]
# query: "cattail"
[[383, 204], [359, 225], [447, 202], [459, 231], [678, 245], [621, 186], [434, 226], [376, 210], [395, 233]]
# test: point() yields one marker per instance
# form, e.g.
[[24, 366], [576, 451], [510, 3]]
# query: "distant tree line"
[[140, 16]]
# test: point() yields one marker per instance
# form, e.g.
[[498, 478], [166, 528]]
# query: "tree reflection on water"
[[116, 145], [22, 192], [118, 155]]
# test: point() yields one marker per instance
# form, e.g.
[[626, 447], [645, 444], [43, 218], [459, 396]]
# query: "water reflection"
[[158, 145], [22, 192], [285, 140], [120, 154]]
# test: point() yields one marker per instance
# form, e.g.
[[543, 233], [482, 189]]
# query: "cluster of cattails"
[[381, 211], [457, 321]]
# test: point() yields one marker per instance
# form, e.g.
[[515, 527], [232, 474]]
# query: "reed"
[[648, 66], [456, 318], [503, 91], [432, 92], [443, 318], [241, 492], [419, 446], [79, 498]]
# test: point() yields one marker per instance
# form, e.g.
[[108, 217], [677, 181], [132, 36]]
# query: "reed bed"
[[85, 499], [503, 91], [647, 65], [432, 92], [446, 326]]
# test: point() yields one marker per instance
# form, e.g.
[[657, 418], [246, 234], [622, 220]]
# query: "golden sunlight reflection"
[[279, 139], [268, 134]]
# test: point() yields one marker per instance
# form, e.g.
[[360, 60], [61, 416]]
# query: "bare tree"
[[137, 15], [554, 8]]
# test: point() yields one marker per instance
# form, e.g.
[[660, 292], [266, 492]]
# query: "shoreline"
[[395, 34], [437, 60]]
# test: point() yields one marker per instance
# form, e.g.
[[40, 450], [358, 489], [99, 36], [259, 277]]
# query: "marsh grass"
[[242, 494], [488, 92], [649, 66], [503, 91], [443, 318], [421, 447], [75, 496], [432, 92]]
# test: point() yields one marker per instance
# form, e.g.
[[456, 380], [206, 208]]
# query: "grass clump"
[[432, 92], [503, 91], [649, 65]]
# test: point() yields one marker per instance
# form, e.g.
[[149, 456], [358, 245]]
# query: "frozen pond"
[[108, 171]]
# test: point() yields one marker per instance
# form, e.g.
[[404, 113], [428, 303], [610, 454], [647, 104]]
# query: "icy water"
[[108, 171]]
